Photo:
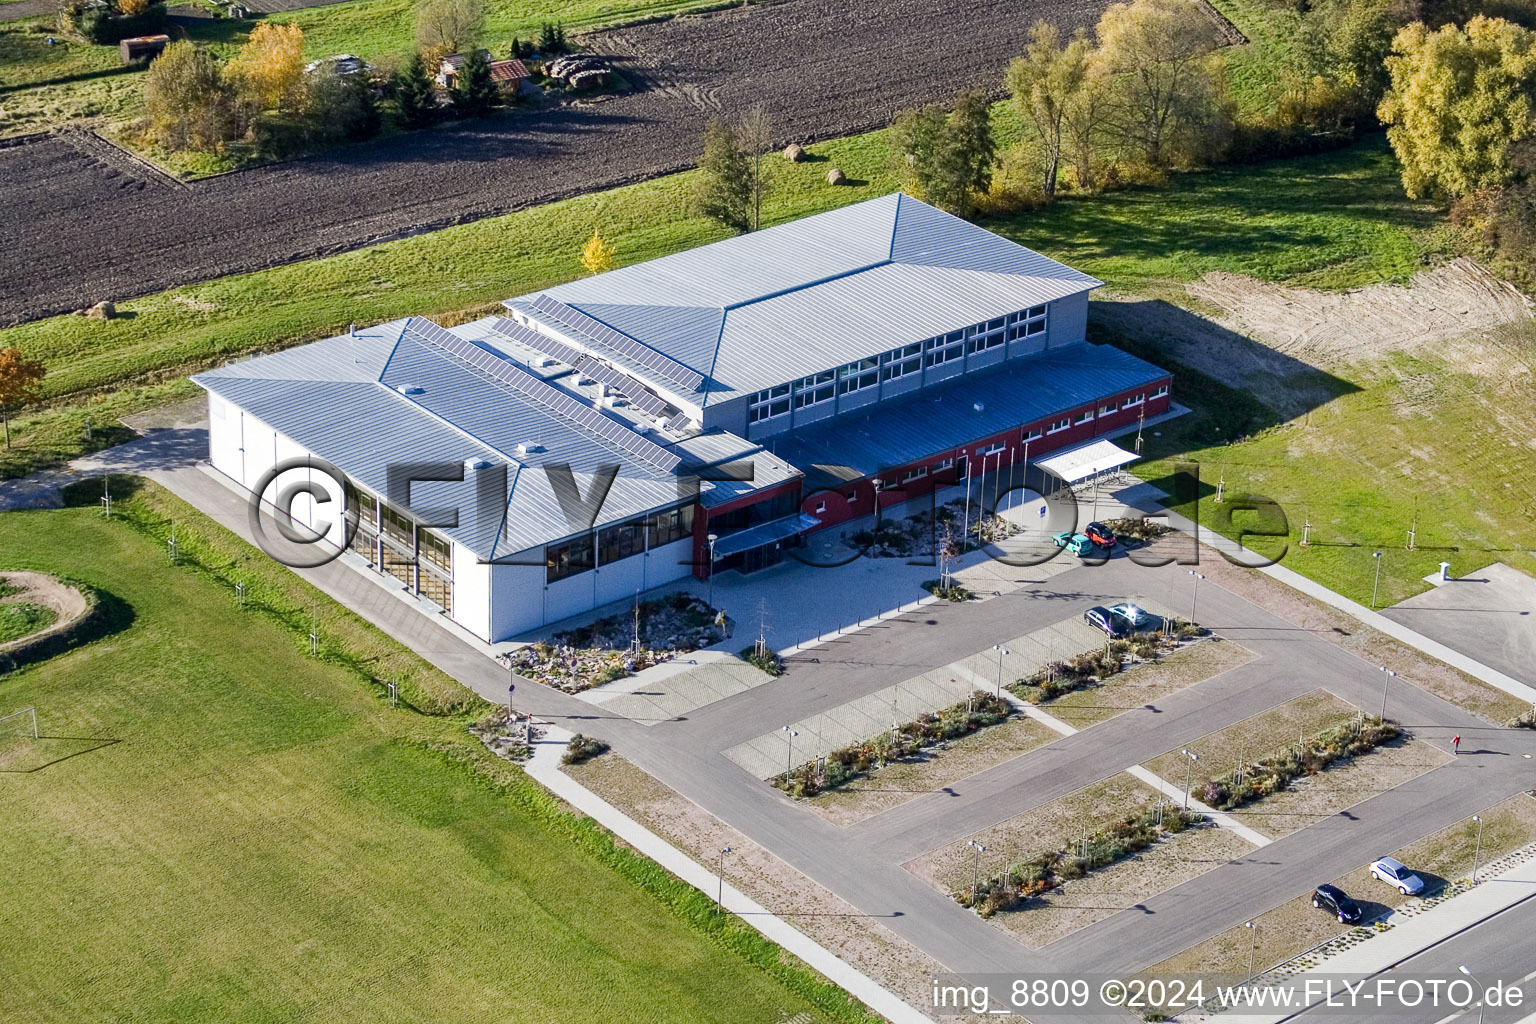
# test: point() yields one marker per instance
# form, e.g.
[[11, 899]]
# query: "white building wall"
[[517, 596], [471, 592]]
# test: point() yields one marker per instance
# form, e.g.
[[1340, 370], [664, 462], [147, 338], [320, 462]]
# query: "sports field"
[[232, 831]]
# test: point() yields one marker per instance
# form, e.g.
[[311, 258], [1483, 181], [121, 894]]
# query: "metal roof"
[[1085, 460], [964, 409], [767, 307], [387, 396]]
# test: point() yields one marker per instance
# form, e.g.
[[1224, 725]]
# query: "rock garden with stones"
[[650, 633]]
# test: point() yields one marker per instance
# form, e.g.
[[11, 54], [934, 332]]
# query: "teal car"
[[1077, 543]]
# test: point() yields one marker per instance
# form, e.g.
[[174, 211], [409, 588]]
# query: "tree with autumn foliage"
[[1460, 99], [21, 382], [597, 255], [270, 67]]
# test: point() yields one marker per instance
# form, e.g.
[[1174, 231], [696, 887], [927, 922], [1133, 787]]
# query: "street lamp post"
[[712, 538], [1194, 594], [720, 892], [1386, 680], [1376, 587], [790, 735], [976, 869], [1252, 948], [1477, 853], [1000, 652], [1190, 757], [1481, 1005]]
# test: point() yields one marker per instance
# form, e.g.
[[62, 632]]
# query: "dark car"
[[1100, 535], [1332, 899], [1114, 626]]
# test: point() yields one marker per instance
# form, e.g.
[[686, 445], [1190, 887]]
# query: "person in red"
[[1455, 744]]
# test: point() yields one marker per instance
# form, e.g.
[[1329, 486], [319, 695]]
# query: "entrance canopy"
[[1086, 460], [764, 533]]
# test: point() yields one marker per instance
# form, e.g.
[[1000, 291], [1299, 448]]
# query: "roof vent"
[[979, 406], [409, 389], [529, 447], [475, 465]]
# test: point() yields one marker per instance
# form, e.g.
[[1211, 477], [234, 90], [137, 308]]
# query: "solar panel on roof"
[[606, 337], [515, 331], [548, 397], [639, 396], [678, 422]]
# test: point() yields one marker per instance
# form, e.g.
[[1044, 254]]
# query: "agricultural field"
[[313, 854]]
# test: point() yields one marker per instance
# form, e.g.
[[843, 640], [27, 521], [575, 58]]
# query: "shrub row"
[[953, 592], [1275, 772], [842, 766], [1093, 667], [1042, 872]]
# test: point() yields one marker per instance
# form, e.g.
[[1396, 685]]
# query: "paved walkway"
[[544, 766]]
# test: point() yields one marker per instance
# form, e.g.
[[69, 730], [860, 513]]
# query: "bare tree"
[[755, 137], [448, 26]]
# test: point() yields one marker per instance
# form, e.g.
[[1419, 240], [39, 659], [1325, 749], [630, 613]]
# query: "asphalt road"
[[1498, 949], [81, 225]]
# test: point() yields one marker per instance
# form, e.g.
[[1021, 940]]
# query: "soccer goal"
[[19, 723]]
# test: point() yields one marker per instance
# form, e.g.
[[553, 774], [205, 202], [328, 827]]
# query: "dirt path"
[[72, 236], [41, 589]]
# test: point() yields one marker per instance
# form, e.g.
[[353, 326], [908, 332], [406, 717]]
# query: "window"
[[1160, 391], [1133, 400], [436, 551], [1030, 321], [915, 474], [1107, 410], [902, 361], [398, 528], [768, 404], [821, 507], [1058, 426], [1032, 434], [944, 348], [853, 496], [568, 558], [946, 464], [856, 376], [363, 504], [994, 449], [671, 525], [815, 389], [621, 541], [437, 590], [1085, 416]]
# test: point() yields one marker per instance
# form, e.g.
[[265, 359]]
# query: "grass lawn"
[[24, 619], [262, 838]]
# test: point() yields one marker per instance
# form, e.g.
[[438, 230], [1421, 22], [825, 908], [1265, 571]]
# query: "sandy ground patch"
[[41, 589], [1254, 737], [1413, 667], [1449, 853], [1145, 684], [1170, 862], [899, 782], [1047, 827], [1281, 933], [1312, 798], [855, 937], [1325, 328]]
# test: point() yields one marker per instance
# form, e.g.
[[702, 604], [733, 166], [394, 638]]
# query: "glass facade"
[[671, 525], [621, 541]]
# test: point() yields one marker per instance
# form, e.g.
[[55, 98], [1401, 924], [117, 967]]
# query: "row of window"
[[862, 374], [621, 540], [421, 560]]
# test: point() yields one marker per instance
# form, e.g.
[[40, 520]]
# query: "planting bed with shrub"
[[844, 765], [1273, 773], [1092, 668], [1039, 873]]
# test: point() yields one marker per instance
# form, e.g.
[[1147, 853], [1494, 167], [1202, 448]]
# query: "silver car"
[[1394, 873], [1132, 614]]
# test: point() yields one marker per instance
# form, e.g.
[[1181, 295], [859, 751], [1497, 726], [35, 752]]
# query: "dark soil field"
[[81, 225]]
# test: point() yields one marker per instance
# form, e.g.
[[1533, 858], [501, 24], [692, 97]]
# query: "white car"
[[1395, 874], [1132, 614]]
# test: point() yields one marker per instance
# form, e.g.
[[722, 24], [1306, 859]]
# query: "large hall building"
[[754, 390]]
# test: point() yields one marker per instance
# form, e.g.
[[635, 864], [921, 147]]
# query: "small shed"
[[509, 75], [449, 68], [142, 47]]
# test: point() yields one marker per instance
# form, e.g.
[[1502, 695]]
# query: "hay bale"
[[836, 177], [103, 310], [793, 153]]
